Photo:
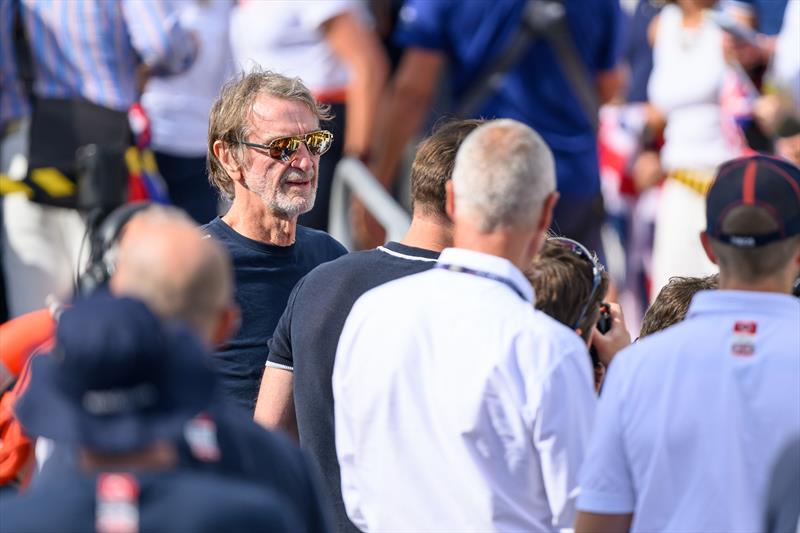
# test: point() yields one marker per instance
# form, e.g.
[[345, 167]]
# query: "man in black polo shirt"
[[296, 391]]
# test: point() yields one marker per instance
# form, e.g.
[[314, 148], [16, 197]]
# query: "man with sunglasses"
[[457, 405], [264, 147]]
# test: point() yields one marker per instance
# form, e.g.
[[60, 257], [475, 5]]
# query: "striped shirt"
[[12, 102], [91, 49]]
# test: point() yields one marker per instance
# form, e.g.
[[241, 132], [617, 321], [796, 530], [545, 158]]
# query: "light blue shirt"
[[692, 419]]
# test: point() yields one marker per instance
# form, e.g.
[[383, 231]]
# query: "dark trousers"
[[317, 218], [188, 185]]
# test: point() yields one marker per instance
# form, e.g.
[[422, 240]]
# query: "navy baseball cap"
[[761, 181], [117, 379]]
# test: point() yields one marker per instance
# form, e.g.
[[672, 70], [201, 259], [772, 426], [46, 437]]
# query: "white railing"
[[352, 175]]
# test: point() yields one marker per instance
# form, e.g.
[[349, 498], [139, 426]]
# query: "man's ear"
[[224, 154], [705, 240], [449, 202], [546, 217]]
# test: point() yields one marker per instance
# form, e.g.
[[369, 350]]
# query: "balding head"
[[504, 173], [164, 260]]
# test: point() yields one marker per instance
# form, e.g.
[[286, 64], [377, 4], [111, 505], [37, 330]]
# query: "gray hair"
[[503, 173], [229, 117]]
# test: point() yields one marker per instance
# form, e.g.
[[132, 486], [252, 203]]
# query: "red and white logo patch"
[[743, 342], [201, 436], [117, 509]]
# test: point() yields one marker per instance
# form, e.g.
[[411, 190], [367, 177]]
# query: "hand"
[[607, 345], [646, 170], [367, 231]]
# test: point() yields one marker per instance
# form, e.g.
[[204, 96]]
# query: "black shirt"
[[321, 302], [264, 275]]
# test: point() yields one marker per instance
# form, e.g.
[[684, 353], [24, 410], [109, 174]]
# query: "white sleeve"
[[342, 384], [561, 432], [606, 483], [320, 12], [786, 60]]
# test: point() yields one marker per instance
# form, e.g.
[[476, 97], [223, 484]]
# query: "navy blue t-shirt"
[[174, 501], [473, 34], [306, 339], [264, 275]]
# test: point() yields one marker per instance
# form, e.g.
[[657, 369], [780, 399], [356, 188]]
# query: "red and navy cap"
[[761, 181]]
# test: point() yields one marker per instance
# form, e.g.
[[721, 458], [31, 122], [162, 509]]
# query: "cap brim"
[[43, 409]]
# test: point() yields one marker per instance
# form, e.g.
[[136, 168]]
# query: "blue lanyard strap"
[[482, 274]]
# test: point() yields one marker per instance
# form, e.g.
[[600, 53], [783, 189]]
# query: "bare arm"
[[358, 48], [602, 523], [411, 95], [275, 405], [609, 83]]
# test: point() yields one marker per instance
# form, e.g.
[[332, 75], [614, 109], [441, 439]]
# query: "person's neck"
[[249, 216], [158, 456], [428, 233], [772, 284], [692, 14], [506, 243]]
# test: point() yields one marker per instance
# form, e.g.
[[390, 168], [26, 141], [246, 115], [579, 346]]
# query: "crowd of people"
[[225, 363]]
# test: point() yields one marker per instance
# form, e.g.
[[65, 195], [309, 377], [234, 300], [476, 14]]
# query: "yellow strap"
[[10, 186], [53, 182], [133, 160], [698, 181]]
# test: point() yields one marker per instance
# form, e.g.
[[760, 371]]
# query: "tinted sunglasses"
[[597, 269], [283, 148]]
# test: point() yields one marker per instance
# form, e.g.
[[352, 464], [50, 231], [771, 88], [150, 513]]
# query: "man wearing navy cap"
[[692, 419], [119, 389]]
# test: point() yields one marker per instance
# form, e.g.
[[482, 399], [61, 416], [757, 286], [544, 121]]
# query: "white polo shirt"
[[691, 419], [459, 407]]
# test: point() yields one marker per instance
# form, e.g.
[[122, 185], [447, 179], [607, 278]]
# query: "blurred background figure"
[[178, 107], [83, 58], [120, 399], [332, 47], [699, 133], [465, 40]]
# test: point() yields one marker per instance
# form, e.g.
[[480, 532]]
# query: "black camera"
[[604, 322], [603, 326]]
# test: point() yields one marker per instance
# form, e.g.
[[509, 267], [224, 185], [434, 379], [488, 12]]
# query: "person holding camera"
[[570, 285]]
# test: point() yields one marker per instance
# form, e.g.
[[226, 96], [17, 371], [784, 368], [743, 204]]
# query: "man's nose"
[[303, 158]]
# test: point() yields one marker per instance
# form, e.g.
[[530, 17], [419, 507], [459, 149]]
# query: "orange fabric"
[[21, 336], [20, 339], [331, 96]]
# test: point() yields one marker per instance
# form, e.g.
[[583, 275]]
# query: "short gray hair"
[[503, 173]]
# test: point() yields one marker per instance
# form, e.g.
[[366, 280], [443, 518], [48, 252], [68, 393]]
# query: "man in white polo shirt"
[[457, 405], [692, 419]]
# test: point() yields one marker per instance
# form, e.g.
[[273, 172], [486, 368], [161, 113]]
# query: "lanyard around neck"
[[482, 274]]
